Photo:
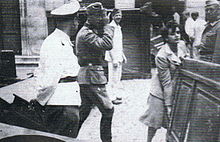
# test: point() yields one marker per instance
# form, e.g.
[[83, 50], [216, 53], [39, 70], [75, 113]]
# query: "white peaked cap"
[[66, 9]]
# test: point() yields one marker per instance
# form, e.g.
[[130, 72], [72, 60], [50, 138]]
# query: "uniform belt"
[[68, 79]]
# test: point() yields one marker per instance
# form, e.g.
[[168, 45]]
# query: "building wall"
[[10, 31], [34, 22], [52, 4], [33, 26]]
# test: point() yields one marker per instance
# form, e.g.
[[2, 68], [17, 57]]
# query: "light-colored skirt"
[[155, 115]]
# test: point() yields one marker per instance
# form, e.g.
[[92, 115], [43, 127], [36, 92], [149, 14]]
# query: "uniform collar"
[[172, 56], [63, 36]]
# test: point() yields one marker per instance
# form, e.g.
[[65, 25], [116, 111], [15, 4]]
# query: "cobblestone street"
[[126, 126], [43, 41]]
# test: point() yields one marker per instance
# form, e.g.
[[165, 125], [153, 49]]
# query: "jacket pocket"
[[96, 75]]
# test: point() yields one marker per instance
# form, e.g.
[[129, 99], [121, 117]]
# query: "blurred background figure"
[[198, 30], [209, 49], [176, 16], [184, 35], [189, 27], [115, 58], [186, 15]]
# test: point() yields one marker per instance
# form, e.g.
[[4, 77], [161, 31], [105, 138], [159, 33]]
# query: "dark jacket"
[[211, 42], [91, 45]]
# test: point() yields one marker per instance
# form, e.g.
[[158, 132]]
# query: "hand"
[[199, 46], [168, 108], [125, 60], [115, 65], [33, 102], [105, 29], [182, 58], [35, 105], [192, 39]]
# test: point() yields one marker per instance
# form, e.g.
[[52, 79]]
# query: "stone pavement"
[[126, 126]]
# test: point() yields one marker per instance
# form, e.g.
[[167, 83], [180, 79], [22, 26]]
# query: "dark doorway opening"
[[10, 28]]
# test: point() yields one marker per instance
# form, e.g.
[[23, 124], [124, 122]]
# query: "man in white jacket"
[[115, 58], [58, 97], [199, 27], [189, 28]]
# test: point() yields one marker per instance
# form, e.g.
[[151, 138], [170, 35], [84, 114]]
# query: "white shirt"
[[189, 27], [116, 53], [182, 50], [57, 60], [198, 30]]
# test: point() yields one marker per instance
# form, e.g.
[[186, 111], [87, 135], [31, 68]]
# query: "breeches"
[[97, 95]]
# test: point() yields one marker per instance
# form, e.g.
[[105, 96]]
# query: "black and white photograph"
[[109, 71]]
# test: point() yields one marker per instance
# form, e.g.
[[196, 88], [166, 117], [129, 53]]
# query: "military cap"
[[115, 11], [66, 9], [211, 2], [94, 8], [186, 12]]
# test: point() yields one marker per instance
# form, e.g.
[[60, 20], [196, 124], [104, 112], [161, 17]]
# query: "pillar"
[[33, 26]]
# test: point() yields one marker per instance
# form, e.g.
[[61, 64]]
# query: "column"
[[33, 26]]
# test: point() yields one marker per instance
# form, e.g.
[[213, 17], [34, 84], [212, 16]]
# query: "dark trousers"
[[63, 120], [97, 95]]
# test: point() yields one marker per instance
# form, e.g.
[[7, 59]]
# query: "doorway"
[[10, 31]]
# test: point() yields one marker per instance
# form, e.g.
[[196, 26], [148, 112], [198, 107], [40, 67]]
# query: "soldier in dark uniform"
[[94, 38], [210, 48]]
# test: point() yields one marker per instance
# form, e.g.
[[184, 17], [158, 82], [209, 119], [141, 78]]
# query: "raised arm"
[[101, 41]]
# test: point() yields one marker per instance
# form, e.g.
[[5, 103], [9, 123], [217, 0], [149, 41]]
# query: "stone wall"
[[33, 26], [52, 4]]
